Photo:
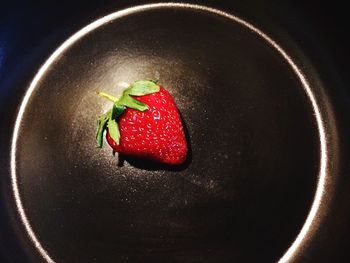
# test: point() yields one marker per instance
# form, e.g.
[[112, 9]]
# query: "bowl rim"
[[314, 213]]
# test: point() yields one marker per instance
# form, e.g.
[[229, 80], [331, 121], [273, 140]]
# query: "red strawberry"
[[149, 124]]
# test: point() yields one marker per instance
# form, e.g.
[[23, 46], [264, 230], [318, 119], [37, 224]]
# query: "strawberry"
[[144, 122]]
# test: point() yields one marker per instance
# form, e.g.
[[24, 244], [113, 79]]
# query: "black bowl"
[[252, 188]]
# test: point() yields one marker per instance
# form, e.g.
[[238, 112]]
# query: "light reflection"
[[123, 84]]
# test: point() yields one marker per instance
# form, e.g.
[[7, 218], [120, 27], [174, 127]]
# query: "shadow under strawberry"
[[156, 166]]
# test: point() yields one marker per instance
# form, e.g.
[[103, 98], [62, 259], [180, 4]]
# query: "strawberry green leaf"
[[142, 87], [101, 123], [117, 110], [112, 112], [130, 102], [113, 129]]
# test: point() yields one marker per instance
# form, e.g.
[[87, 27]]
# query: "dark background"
[[31, 30]]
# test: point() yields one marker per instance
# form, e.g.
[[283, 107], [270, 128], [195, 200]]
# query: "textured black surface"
[[247, 190]]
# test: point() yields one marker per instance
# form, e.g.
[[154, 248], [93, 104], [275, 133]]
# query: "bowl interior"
[[247, 187]]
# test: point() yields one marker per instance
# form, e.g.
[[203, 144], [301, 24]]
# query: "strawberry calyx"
[[109, 120]]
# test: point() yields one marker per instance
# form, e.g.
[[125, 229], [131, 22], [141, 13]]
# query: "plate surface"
[[249, 183]]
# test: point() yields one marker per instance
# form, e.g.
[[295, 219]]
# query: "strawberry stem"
[[107, 96]]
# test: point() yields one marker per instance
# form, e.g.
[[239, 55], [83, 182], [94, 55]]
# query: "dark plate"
[[260, 134]]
